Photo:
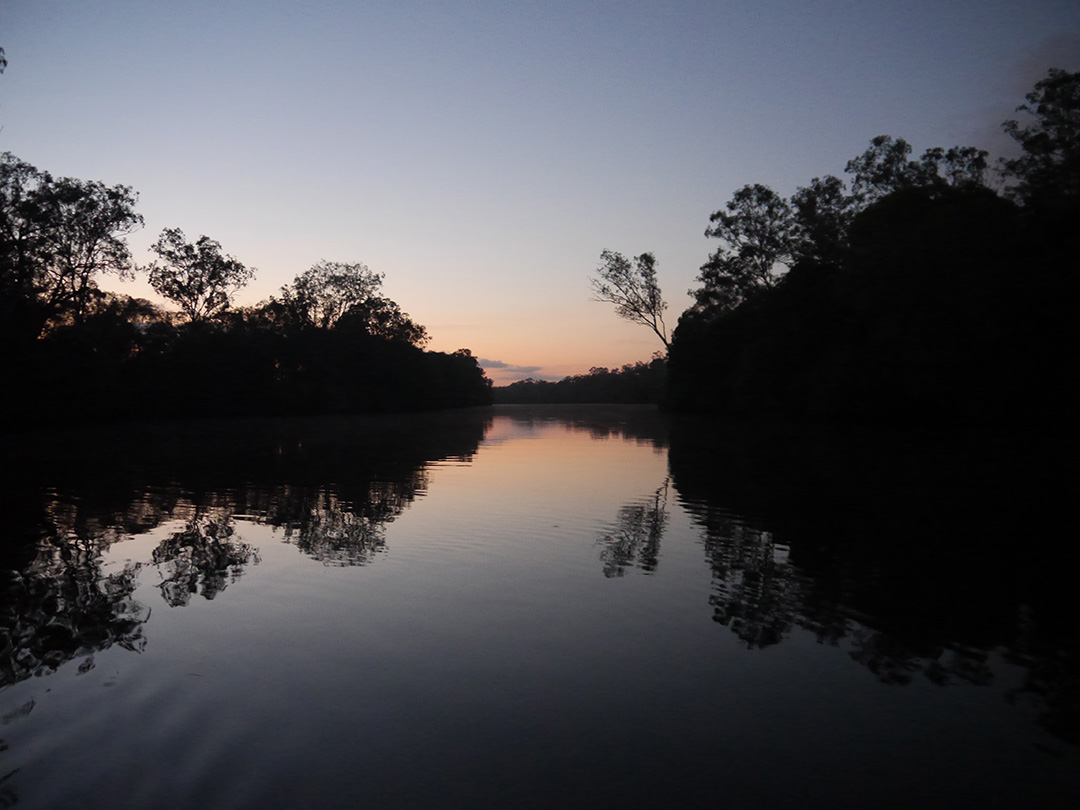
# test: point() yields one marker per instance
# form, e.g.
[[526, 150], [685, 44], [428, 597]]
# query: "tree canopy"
[[758, 242], [632, 287], [1048, 171], [70, 350], [196, 276], [917, 293], [762, 235], [322, 295], [344, 295], [57, 237]]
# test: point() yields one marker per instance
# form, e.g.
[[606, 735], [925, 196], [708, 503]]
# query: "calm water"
[[534, 608]]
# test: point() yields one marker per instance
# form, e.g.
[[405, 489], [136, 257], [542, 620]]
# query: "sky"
[[482, 154]]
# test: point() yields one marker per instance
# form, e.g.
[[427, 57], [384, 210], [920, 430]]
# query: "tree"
[[57, 235], [823, 211], [885, 168], [882, 169], [759, 242], [86, 222], [1049, 168], [344, 296], [321, 296], [380, 317], [957, 167], [196, 276], [633, 289]]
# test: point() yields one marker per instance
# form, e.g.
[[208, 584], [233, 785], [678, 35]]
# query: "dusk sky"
[[482, 154]]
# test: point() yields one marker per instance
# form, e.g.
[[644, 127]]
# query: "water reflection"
[[914, 559], [331, 485], [757, 593], [911, 553], [63, 606], [634, 539], [203, 559], [338, 527], [641, 424]]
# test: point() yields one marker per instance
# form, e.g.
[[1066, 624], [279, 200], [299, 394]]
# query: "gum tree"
[[196, 276], [632, 287]]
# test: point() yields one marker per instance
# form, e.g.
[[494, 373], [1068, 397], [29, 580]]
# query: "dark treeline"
[[114, 369], [917, 293], [633, 383], [329, 342]]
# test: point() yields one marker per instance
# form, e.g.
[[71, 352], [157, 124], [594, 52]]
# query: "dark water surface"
[[551, 608]]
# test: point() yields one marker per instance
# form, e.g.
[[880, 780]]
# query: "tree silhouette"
[[635, 537], [758, 237], [885, 168], [1049, 168], [823, 211], [321, 296], [57, 235], [344, 295], [196, 276], [633, 289]]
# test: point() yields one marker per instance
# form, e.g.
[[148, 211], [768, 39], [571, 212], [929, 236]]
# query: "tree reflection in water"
[[909, 552], [911, 561], [62, 606], [635, 537], [905, 552], [340, 527], [202, 558], [333, 533], [756, 591], [347, 477]]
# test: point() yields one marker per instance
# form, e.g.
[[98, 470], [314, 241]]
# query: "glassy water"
[[518, 607]]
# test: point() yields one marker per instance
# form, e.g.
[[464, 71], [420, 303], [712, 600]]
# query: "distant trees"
[[632, 287], [633, 383], [196, 276]]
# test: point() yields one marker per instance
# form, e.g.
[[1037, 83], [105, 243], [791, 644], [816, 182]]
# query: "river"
[[534, 607]]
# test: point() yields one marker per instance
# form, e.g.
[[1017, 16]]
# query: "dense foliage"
[[920, 294], [58, 235], [330, 343]]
